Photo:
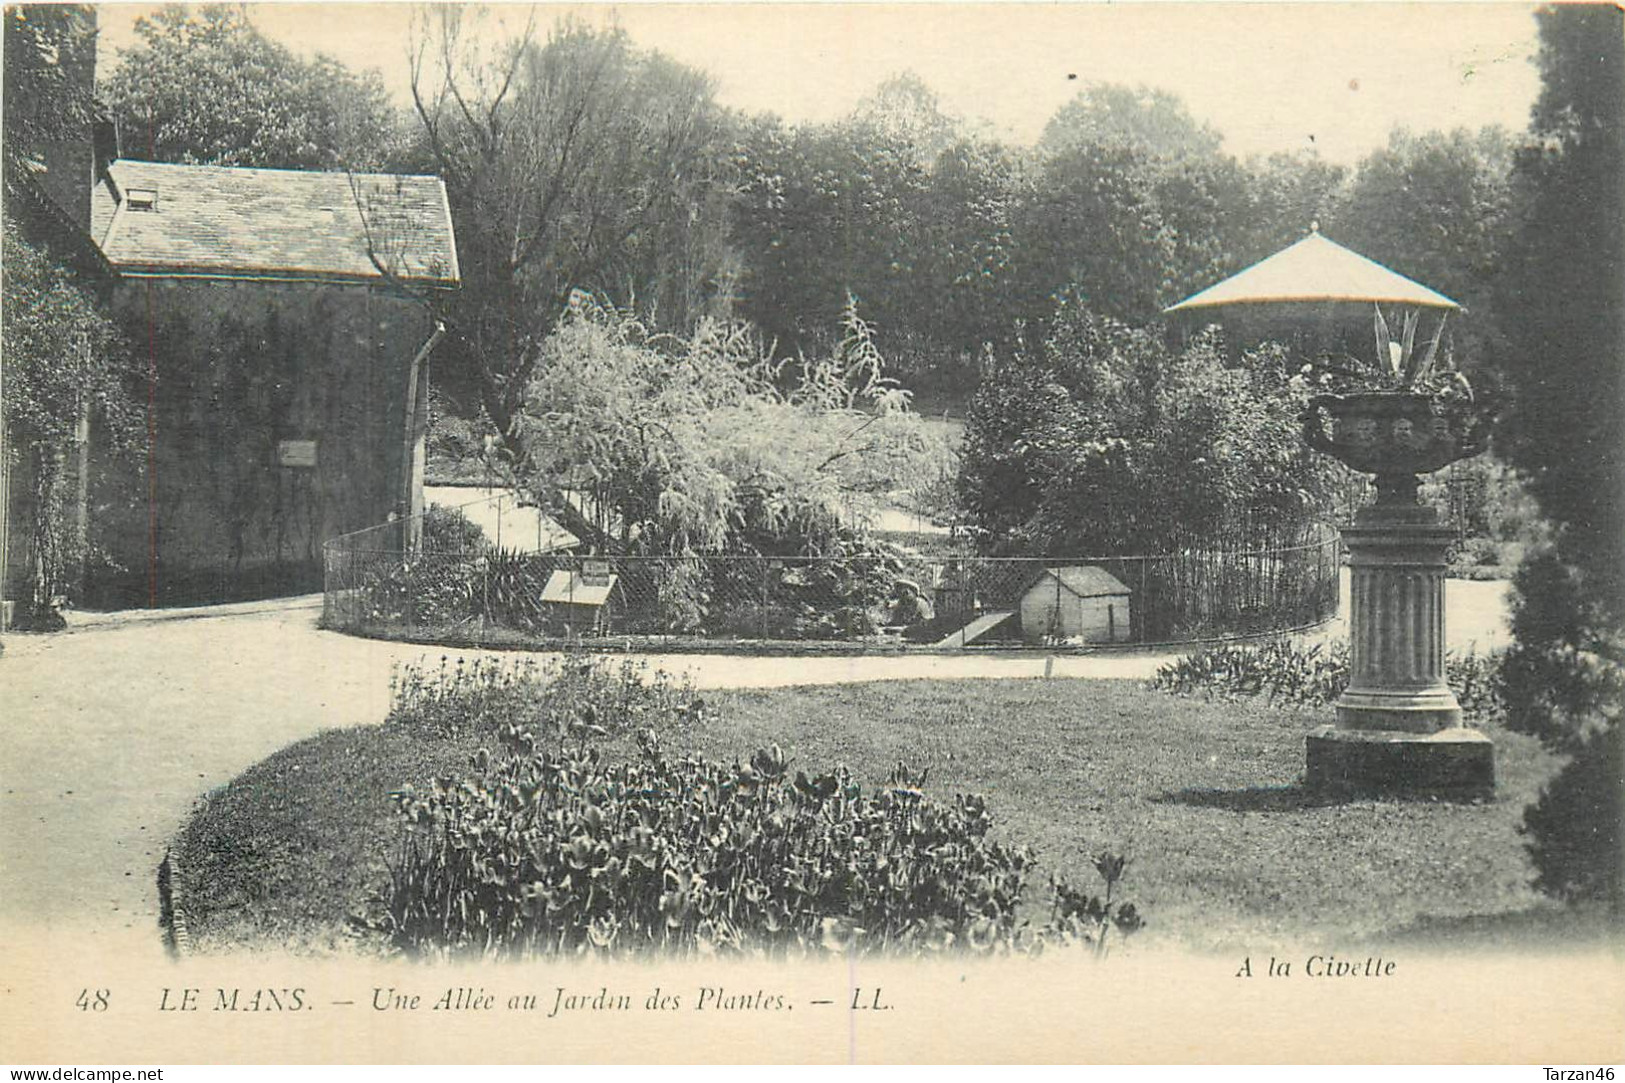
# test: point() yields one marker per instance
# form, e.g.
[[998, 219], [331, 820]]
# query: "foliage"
[[1132, 207], [573, 695], [205, 86], [47, 89], [1281, 196], [1435, 206], [1565, 672], [447, 589], [548, 850], [1490, 508], [449, 530], [1561, 307], [1147, 118], [822, 212], [1110, 442], [1564, 431], [1573, 830], [1279, 670], [1092, 225], [434, 589], [952, 239], [65, 362], [578, 163], [838, 595], [1313, 676], [689, 446]]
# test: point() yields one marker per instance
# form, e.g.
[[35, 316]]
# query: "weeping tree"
[[702, 445]]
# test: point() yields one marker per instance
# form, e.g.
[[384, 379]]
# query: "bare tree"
[[564, 160]]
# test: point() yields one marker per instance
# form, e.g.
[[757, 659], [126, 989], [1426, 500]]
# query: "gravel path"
[[114, 729]]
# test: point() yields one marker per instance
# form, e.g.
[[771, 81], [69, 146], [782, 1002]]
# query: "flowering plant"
[[1401, 363]]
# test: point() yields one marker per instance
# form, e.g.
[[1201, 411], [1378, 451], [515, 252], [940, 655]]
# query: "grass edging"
[[1225, 847]]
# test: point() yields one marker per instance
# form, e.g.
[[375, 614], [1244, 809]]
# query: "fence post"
[[761, 613], [1139, 611]]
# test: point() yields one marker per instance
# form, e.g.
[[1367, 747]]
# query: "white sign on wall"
[[301, 453]]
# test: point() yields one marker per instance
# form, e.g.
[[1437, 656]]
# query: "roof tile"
[[233, 221]]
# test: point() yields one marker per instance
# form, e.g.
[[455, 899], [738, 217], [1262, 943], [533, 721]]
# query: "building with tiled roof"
[[152, 218], [280, 318], [282, 321]]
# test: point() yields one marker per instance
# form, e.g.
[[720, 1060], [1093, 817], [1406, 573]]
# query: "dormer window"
[[141, 199]]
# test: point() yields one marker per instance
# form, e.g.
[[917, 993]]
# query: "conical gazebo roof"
[[1315, 271]]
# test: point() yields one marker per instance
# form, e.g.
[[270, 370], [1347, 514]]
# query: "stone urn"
[[1395, 435], [1398, 725]]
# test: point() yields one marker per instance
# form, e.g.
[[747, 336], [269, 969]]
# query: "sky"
[[1330, 77]]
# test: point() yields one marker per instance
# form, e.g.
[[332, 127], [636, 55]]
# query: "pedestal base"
[[1458, 764], [1410, 712]]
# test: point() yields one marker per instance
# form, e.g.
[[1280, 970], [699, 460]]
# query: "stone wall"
[[277, 423]]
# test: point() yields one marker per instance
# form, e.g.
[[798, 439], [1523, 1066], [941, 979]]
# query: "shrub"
[[556, 851], [439, 589], [507, 590], [448, 530], [572, 695], [1105, 440], [1574, 827], [1312, 676], [1564, 683], [1278, 669]]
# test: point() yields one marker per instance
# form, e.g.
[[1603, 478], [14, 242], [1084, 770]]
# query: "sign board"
[[301, 453], [595, 572]]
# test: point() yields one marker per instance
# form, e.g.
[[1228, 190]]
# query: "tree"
[[61, 360], [904, 111], [1561, 307], [1285, 195], [696, 444], [1090, 223], [898, 204], [689, 445], [1147, 119], [49, 51], [64, 362], [577, 165], [822, 211], [1436, 208], [204, 86], [1107, 442], [1133, 207]]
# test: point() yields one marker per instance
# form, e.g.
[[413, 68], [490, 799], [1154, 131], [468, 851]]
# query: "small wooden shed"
[[583, 599], [1076, 602]]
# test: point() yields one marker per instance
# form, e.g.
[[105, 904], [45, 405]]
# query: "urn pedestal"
[[1398, 727]]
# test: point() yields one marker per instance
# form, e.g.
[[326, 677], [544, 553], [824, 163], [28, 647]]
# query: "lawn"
[[1225, 851]]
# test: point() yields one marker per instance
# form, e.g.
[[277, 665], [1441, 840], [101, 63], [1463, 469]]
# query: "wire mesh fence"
[[441, 587]]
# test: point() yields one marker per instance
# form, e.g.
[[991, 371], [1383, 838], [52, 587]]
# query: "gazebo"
[[1314, 288], [1398, 725]]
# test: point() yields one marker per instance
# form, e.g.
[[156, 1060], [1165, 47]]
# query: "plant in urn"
[[1398, 727]]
